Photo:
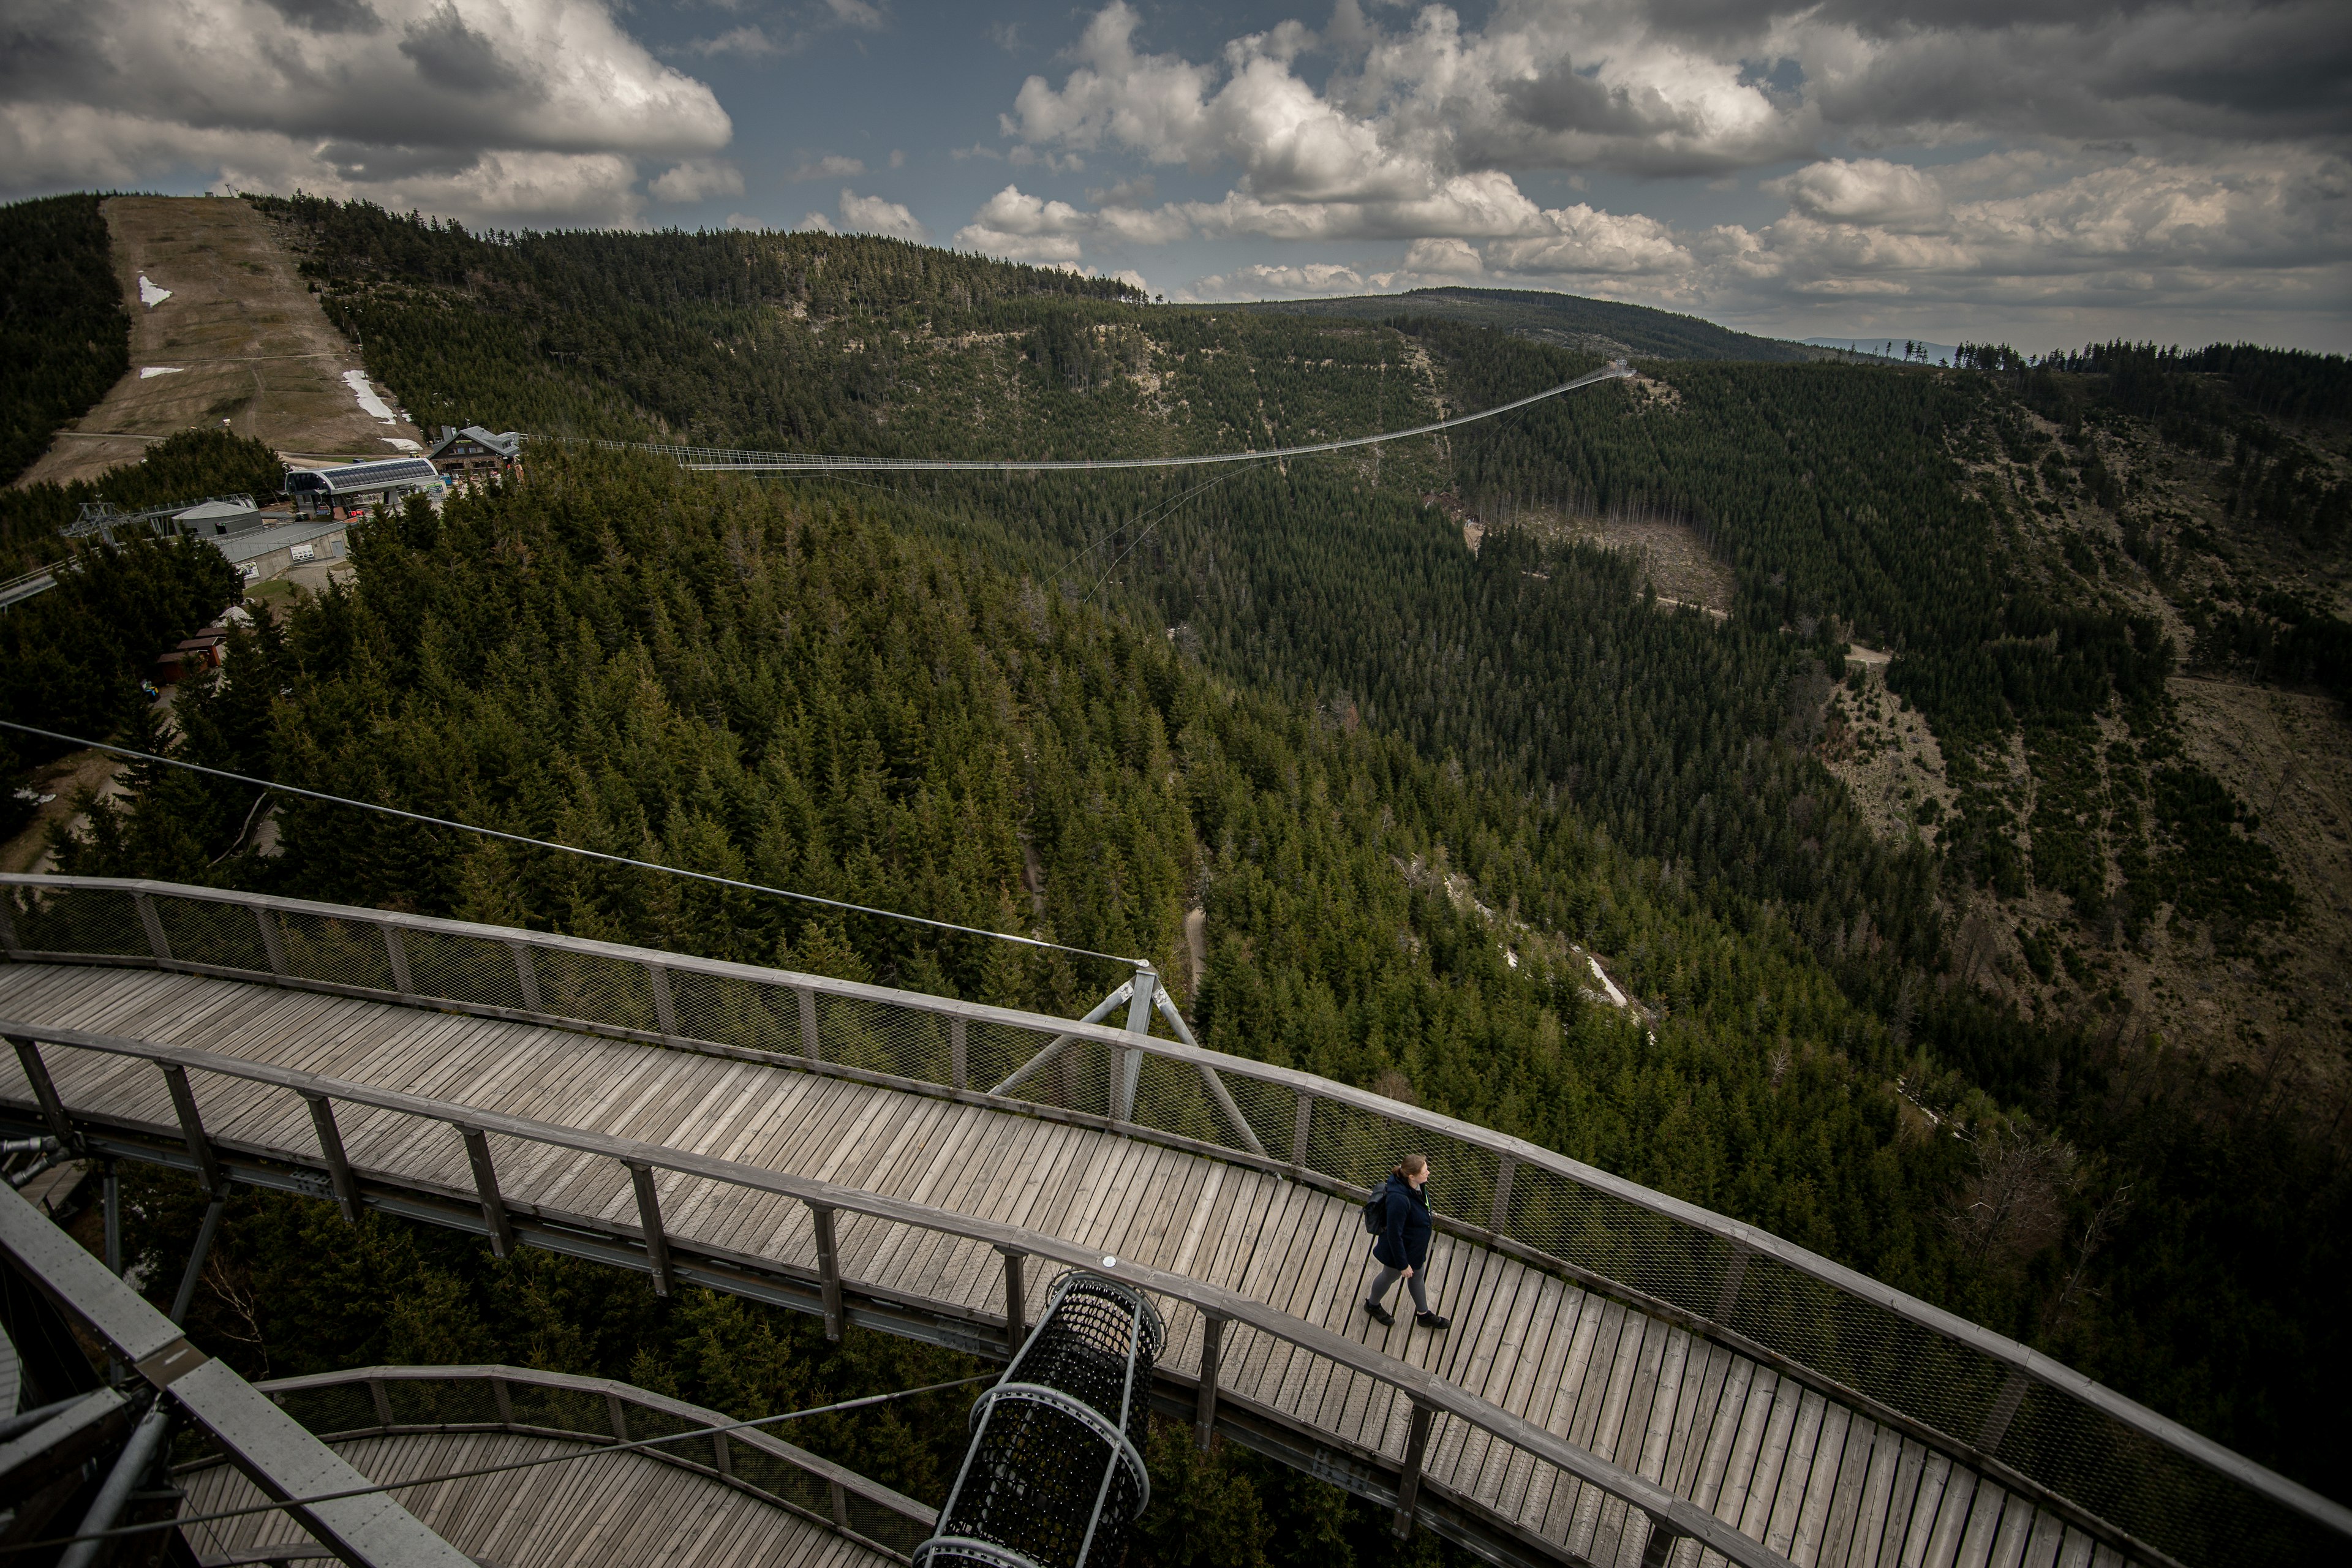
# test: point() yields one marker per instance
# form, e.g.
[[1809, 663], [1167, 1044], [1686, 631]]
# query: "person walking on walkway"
[[1402, 1248]]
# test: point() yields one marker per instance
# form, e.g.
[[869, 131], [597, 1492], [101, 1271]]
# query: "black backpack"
[[1376, 1210]]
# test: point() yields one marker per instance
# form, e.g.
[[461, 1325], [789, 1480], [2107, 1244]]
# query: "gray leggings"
[[1387, 1277]]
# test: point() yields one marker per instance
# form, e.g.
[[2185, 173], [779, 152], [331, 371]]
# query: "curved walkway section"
[[1628, 1379], [743, 1500]]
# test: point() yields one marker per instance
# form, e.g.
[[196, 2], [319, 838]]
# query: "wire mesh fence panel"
[[2162, 1496], [441, 1402], [653, 1421], [206, 931], [779, 1478], [75, 919], [732, 1011], [336, 950], [1271, 1110], [1360, 1146], [338, 1407], [560, 1409], [1076, 1076], [885, 1526], [1646, 1252], [1172, 1097], [905, 1042], [1902, 1364], [594, 987], [992, 1052], [479, 970]]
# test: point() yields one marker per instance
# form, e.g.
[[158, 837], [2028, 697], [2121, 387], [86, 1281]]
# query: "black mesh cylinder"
[[1054, 1475]]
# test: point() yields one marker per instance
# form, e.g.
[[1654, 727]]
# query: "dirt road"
[[224, 329]]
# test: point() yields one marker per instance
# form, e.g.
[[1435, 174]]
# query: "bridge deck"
[[1820, 1483], [596, 1511]]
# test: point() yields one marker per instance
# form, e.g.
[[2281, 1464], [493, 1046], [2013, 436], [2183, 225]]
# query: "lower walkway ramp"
[[743, 1500]]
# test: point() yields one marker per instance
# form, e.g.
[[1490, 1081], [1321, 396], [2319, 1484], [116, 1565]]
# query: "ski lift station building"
[[334, 491]]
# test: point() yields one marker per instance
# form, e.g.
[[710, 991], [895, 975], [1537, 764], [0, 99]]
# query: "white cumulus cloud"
[[534, 108], [872, 214]]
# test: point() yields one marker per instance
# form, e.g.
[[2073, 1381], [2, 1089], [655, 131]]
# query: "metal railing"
[[1422, 1401], [402, 1401], [2123, 1471]]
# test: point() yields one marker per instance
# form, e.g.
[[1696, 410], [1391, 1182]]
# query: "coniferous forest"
[[1402, 777]]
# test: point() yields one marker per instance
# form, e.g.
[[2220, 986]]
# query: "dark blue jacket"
[[1404, 1239]]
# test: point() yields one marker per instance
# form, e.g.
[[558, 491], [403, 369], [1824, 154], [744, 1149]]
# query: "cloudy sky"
[[2043, 172]]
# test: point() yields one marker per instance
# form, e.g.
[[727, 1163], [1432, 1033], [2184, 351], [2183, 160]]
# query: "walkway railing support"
[[1661, 1544], [650, 1217], [1130, 1063], [36, 1072], [1417, 1447], [1212, 1337], [828, 1265], [330, 1148], [1016, 1301], [485, 1184], [192, 1128]]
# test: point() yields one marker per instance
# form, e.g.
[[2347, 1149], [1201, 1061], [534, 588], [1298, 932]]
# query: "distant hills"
[[1569, 321]]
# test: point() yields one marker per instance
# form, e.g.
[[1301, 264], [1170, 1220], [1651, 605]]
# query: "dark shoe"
[[1432, 1321], [1380, 1314]]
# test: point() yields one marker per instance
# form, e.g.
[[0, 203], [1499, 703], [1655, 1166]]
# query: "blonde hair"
[[1412, 1166]]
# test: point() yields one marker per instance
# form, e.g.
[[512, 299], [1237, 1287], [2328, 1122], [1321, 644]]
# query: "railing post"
[[1416, 1444], [2005, 1410], [1498, 1217], [720, 1456], [1661, 1544], [1204, 1417], [1016, 1303], [486, 1183], [383, 1402], [396, 953], [840, 1496], [526, 976], [273, 941], [1299, 1129], [9, 923], [36, 1072], [503, 1397], [192, 1128], [1733, 1273], [1130, 1070], [665, 1015], [331, 1147], [956, 1075], [828, 1264], [809, 1044], [618, 1414], [154, 924], [641, 1176]]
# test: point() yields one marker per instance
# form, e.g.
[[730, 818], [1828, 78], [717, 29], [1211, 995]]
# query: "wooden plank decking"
[[1820, 1483], [595, 1511]]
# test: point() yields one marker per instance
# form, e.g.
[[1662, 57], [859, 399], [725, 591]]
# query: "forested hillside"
[[64, 336], [1382, 761], [1565, 320]]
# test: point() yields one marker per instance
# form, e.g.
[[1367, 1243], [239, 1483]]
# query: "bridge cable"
[[570, 849], [591, 1453], [726, 459]]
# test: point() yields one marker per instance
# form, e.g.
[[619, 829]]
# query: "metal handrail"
[[2024, 1366], [921, 1515], [1677, 1516]]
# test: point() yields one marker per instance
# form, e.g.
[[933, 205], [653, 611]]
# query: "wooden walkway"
[[1821, 1484], [598, 1510]]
